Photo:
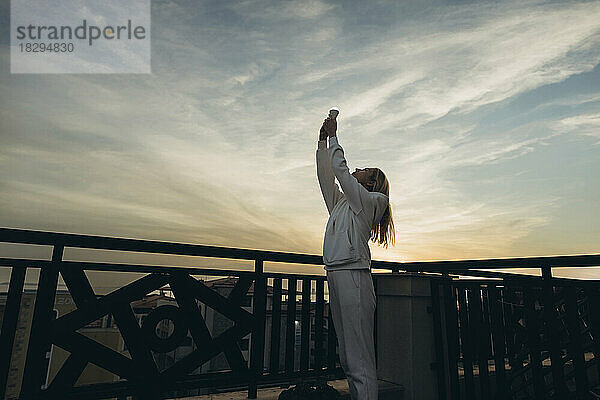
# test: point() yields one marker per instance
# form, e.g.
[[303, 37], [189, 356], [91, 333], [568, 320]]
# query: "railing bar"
[[67, 376], [290, 335], [116, 267], [484, 341], [497, 325], [275, 326], [486, 319], [119, 267], [183, 292], [79, 286], [258, 334], [285, 275], [150, 246], [42, 317], [452, 336], [145, 268], [146, 371], [11, 235], [509, 315], [437, 332], [575, 343], [479, 334], [320, 298], [533, 340], [23, 262], [9, 323], [193, 360], [305, 325], [550, 318], [491, 274], [240, 290], [466, 344], [593, 296]]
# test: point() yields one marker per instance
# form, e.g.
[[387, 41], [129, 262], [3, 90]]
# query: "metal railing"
[[517, 338], [141, 377], [139, 373]]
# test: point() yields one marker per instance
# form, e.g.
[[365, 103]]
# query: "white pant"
[[352, 302]]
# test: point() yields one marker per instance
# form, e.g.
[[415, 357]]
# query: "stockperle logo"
[[80, 36]]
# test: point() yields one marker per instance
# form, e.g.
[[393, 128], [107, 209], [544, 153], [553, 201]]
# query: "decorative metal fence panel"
[[519, 338], [140, 369]]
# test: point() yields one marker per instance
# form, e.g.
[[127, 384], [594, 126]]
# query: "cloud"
[[504, 51], [278, 12], [583, 124]]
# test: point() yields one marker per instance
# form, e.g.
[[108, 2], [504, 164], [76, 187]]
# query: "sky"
[[484, 116]]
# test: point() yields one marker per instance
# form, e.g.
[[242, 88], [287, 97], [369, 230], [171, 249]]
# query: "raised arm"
[[350, 185], [330, 190]]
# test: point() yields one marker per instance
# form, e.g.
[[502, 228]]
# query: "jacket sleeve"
[[350, 186], [330, 190]]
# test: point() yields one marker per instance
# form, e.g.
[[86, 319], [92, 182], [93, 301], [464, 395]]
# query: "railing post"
[[479, 335], [440, 364], [576, 348], [533, 341], [593, 298], [466, 343], [319, 311], [9, 323], [290, 327], [42, 317], [258, 335], [496, 321], [275, 326], [305, 326], [451, 327], [552, 323]]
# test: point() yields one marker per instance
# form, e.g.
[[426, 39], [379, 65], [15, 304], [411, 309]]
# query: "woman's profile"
[[360, 211]]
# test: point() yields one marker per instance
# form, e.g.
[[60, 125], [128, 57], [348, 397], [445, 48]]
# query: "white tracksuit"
[[347, 260]]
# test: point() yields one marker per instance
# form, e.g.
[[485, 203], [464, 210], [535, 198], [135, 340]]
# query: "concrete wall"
[[405, 338]]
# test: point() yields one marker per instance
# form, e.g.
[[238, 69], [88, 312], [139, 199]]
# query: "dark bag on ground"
[[307, 391]]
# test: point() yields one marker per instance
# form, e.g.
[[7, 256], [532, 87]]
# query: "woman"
[[359, 212]]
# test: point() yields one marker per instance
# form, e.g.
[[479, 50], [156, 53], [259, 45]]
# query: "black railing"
[[139, 374], [461, 311], [519, 338]]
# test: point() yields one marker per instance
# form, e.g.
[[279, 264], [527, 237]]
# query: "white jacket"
[[352, 213]]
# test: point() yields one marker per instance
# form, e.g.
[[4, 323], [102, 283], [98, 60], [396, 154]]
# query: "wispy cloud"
[[276, 12], [584, 124], [445, 66]]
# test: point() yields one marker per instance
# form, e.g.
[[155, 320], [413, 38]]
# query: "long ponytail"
[[383, 232]]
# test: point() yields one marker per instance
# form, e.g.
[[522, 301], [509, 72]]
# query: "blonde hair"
[[383, 232]]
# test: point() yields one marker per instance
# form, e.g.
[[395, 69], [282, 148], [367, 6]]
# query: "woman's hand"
[[330, 125], [322, 132]]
